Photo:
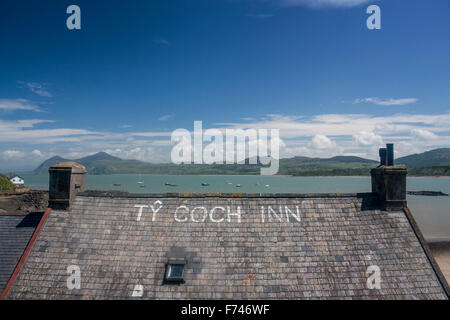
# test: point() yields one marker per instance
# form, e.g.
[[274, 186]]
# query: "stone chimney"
[[389, 181], [66, 180]]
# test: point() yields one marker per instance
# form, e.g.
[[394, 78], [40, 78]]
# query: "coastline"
[[244, 175]]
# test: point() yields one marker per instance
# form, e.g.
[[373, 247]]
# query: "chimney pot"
[[382, 154], [390, 154]]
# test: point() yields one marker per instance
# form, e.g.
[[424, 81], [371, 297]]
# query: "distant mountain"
[[98, 163], [43, 168], [433, 158], [100, 156], [103, 163], [340, 165], [91, 162], [436, 162]]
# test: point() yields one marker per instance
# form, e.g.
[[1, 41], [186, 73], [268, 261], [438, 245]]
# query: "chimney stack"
[[67, 178], [389, 181]]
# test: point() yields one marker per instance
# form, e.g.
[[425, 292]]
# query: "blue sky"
[[137, 70]]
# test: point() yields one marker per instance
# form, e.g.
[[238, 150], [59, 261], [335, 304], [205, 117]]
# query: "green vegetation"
[[430, 171], [334, 172], [5, 184]]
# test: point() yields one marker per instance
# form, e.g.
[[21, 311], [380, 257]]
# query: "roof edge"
[[123, 194], [427, 251], [25, 255]]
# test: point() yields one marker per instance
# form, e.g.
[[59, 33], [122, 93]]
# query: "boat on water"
[[170, 184], [205, 184], [116, 184], [267, 185], [238, 186], [143, 186], [228, 182]]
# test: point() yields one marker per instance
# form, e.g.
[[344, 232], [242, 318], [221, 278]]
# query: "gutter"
[[25, 255], [427, 251]]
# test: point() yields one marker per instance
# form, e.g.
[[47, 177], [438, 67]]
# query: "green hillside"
[[434, 158], [342, 165], [5, 184]]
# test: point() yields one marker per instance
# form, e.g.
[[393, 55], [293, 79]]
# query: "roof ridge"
[[121, 194]]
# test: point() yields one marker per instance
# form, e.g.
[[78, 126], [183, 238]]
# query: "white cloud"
[[387, 102], [23, 131], [323, 3], [320, 141], [19, 159], [150, 134], [12, 154], [165, 117], [422, 134], [18, 104], [355, 134], [348, 124], [367, 139], [37, 88], [37, 153], [323, 135]]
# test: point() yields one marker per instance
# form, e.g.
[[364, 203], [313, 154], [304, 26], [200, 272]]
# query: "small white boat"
[[170, 184], [238, 186]]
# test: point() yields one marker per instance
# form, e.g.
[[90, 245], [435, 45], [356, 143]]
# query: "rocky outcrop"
[[427, 193]]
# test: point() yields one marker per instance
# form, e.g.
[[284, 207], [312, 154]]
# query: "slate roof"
[[323, 253], [16, 229]]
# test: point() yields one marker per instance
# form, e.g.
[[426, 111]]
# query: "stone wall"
[[29, 201]]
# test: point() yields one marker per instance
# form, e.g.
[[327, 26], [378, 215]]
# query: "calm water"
[[432, 213]]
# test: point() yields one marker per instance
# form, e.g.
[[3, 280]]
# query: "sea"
[[432, 213]]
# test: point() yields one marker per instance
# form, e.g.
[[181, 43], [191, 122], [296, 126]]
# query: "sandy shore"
[[441, 253]]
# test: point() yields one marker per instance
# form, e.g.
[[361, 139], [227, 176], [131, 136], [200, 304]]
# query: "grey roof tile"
[[317, 248]]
